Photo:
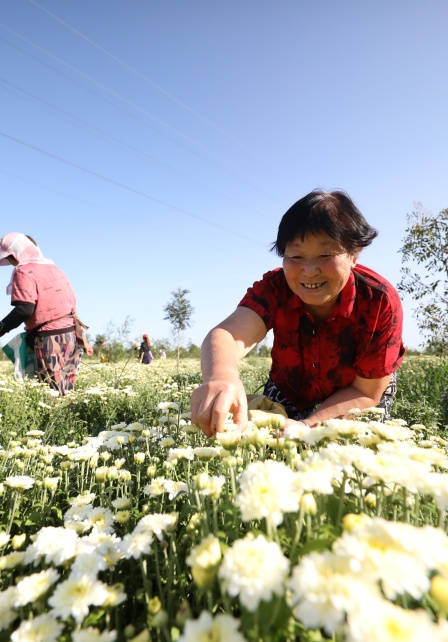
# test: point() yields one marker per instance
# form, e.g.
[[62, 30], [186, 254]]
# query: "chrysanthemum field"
[[119, 521]]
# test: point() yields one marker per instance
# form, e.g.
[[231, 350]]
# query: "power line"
[[126, 187], [131, 104], [109, 211], [124, 145], [147, 80]]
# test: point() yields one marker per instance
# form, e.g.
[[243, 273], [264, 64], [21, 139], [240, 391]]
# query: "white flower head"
[[381, 621], [168, 405], [323, 590], [101, 519], [136, 544], [222, 628], [91, 634], [266, 490], [4, 539], [157, 524], [75, 596], [88, 563], [20, 482], [42, 628], [246, 571], [54, 544], [204, 560], [32, 587]]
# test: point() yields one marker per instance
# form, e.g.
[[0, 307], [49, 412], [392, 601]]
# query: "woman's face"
[[317, 269]]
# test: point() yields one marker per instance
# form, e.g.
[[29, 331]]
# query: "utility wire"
[[126, 187], [147, 80], [141, 109], [131, 149]]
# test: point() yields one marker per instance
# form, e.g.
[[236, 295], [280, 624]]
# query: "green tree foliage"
[[425, 274], [178, 312], [114, 344]]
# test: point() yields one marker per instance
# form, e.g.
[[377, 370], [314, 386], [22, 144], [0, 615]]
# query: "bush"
[[422, 394]]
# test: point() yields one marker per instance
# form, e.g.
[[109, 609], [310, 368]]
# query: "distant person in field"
[[145, 354], [44, 301], [162, 354], [337, 324]]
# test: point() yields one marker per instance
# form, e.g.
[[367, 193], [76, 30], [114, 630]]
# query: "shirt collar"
[[344, 307]]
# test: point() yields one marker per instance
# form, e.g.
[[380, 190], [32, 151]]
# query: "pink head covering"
[[21, 248]]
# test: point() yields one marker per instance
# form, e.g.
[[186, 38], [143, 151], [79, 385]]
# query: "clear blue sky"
[[149, 145]]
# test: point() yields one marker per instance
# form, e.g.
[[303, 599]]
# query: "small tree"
[[178, 312], [426, 245]]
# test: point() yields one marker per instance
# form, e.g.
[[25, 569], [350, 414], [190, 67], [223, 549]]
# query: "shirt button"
[[314, 365], [314, 331]]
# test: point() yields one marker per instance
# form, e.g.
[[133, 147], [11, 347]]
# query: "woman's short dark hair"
[[331, 213]]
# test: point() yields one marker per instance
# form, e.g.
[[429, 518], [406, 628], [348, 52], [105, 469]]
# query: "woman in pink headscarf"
[[43, 299]]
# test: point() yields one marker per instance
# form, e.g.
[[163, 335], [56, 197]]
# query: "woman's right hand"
[[211, 403]]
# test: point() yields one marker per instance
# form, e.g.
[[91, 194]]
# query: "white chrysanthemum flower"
[[296, 431], [93, 635], [31, 587], [4, 539], [35, 433], [168, 405], [204, 560], [54, 544], [435, 485], [229, 439], [89, 563], [74, 597], [246, 571], [83, 500], [135, 427], [20, 482], [121, 503], [381, 621], [400, 556], [318, 474], [392, 468], [156, 487], [323, 591], [157, 524], [390, 432], [136, 544], [116, 442], [51, 483], [175, 488], [318, 434], [78, 513], [101, 519], [105, 544], [254, 436], [206, 452], [223, 628], [376, 558], [345, 427], [266, 490], [209, 484], [7, 612], [180, 453], [42, 628], [346, 456], [12, 560]]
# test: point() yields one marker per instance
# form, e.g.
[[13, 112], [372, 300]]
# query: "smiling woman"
[[337, 324]]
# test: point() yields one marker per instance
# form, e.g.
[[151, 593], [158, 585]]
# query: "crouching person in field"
[[337, 324]]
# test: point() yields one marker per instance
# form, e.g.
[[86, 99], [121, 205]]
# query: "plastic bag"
[[21, 355]]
